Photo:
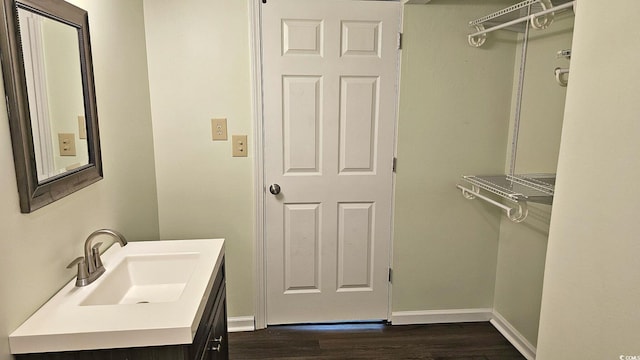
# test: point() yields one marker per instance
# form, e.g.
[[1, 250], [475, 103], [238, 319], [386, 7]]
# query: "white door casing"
[[36, 78], [329, 96]]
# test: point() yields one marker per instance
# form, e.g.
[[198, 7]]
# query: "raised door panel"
[[358, 123], [302, 37], [302, 248], [361, 38], [301, 124], [355, 246]]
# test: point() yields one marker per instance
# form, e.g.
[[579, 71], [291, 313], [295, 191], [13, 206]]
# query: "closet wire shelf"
[[517, 189], [539, 13]]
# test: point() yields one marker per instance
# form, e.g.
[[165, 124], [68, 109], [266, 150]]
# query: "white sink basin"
[[152, 293], [144, 279]]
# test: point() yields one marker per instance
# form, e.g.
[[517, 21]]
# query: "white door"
[[330, 78]]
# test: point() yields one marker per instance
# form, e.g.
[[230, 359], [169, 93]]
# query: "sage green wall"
[[199, 69], [35, 248], [454, 117], [591, 286], [522, 247]]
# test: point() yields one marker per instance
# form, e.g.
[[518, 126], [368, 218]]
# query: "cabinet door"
[[217, 344]]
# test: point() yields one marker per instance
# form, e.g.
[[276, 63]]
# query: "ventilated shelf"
[[539, 13], [517, 189], [514, 12], [534, 188]]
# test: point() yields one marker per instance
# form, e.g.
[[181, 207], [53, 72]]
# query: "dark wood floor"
[[477, 341]]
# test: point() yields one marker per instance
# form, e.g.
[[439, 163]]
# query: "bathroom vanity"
[[157, 300]]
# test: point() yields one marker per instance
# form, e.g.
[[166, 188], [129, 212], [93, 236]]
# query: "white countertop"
[[62, 324]]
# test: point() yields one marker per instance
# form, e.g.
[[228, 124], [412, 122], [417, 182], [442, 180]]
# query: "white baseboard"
[[240, 323], [514, 336], [441, 316], [468, 315]]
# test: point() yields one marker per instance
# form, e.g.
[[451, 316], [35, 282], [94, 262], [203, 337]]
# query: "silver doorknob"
[[274, 189]]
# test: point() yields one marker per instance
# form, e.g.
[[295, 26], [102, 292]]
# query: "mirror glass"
[[51, 103], [543, 97], [54, 86]]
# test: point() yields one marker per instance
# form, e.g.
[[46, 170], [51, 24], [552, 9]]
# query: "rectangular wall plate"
[[239, 143], [82, 127], [219, 129], [67, 144]]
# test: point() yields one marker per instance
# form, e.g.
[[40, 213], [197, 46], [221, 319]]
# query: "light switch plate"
[[239, 143], [67, 144], [219, 129], [82, 127]]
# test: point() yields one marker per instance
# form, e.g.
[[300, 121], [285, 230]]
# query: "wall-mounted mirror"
[[541, 111], [48, 79]]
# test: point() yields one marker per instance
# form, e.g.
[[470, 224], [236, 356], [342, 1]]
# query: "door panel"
[[358, 123], [355, 246], [302, 248], [302, 123], [361, 38], [302, 37]]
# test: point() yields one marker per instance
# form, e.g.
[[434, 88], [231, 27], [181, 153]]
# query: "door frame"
[[260, 280]]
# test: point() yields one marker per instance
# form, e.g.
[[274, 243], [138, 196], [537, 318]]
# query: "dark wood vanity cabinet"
[[209, 343]]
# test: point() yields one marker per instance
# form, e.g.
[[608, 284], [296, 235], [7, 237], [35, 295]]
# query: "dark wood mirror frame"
[[34, 194]]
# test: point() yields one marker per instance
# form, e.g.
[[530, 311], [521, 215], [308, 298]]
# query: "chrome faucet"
[[90, 266]]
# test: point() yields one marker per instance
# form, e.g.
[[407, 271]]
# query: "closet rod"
[[515, 215], [523, 19]]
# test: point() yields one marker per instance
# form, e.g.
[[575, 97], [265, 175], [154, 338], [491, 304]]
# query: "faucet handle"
[[83, 272], [77, 261], [95, 252]]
